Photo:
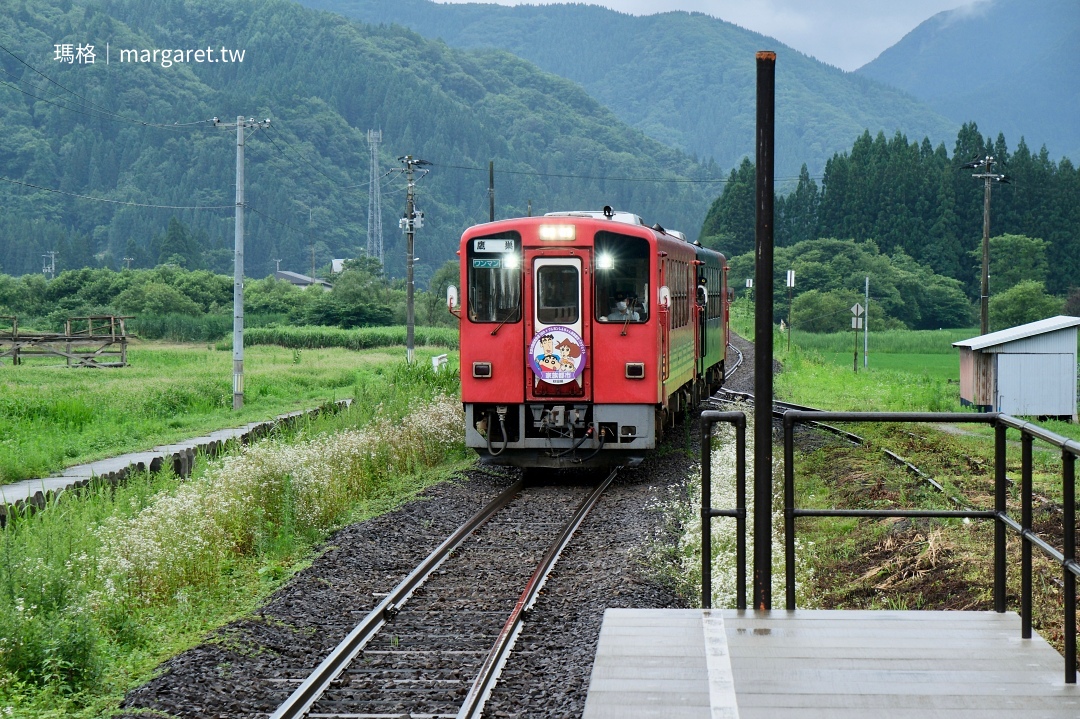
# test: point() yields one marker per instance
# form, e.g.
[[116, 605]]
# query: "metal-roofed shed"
[[1028, 370]]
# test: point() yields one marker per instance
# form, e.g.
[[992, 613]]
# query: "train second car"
[[582, 334]]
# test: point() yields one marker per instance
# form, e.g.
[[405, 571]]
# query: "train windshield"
[[495, 278], [621, 275]]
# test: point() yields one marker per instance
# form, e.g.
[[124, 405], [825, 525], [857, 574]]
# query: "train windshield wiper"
[[507, 319]]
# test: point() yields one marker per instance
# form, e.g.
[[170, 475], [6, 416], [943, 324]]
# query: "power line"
[[105, 112], [297, 154], [595, 177], [118, 202], [281, 222]]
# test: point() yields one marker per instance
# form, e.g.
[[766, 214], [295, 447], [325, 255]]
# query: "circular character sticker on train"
[[557, 354]]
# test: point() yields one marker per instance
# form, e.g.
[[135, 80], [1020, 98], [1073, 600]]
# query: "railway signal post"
[[856, 325]]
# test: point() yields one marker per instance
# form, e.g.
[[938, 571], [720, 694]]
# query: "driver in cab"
[[624, 310]]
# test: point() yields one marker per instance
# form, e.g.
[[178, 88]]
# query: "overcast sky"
[[844, 33]]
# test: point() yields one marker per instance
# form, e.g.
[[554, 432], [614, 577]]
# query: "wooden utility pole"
[[491, 190], [986, 163]]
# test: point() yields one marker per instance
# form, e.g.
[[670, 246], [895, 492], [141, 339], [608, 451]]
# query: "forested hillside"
[[136, 134], [1011, 65], [916, 204], [686, 79]]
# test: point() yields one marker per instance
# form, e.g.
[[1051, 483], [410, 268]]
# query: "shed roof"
[[298, 279], [1051, 324]]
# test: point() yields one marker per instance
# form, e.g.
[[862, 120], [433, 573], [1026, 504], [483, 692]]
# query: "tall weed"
[[95, 589]]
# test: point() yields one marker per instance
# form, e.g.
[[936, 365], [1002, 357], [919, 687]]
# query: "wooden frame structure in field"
[[96, 341]]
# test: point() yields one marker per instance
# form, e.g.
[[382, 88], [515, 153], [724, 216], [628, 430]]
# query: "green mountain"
[[1010, 65], [136, 133], [686, 79]]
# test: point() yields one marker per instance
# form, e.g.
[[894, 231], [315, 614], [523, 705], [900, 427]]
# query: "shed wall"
[[984, 384], [1036, 384]]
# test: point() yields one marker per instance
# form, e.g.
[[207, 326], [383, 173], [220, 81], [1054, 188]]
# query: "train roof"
[[628, 218]]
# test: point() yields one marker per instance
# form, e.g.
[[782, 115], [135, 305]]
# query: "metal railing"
[[708, 419], [1070, 450]]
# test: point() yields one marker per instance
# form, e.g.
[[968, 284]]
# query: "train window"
[[495, 278], [557, 294], [621, 276]]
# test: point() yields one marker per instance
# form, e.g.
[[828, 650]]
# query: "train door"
[[701, 309], [558, 350]]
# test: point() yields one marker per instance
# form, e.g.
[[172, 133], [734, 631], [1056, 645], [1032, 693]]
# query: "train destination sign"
[[493, 246]]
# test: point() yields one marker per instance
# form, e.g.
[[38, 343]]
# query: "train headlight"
[[635, 370], [605, 262], [557, 232], [511, 262], [481, 370]]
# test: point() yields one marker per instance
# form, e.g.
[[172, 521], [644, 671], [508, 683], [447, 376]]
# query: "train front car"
[[579, 334]]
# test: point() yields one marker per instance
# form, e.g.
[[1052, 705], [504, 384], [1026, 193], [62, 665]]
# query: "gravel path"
[[237, 671]]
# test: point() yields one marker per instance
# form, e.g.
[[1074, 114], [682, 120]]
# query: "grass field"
[[52, 417], [102, 586], [900, 563]]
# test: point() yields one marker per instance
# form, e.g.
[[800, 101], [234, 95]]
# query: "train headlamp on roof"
[[558, 232]]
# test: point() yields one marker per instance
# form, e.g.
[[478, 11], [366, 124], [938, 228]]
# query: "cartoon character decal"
[[557, 355]]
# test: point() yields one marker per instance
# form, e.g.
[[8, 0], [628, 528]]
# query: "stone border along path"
[[181, 457]]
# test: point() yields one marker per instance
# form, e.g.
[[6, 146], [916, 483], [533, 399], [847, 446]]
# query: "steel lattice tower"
[[374, 221]]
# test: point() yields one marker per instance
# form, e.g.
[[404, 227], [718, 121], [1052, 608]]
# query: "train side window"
[[621, 278], [495, 278]]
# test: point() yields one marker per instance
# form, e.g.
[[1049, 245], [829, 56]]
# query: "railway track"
[[436, 644], [780, 407]]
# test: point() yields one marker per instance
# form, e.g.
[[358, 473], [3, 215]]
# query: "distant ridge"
[[1012, 66], [685, 79]]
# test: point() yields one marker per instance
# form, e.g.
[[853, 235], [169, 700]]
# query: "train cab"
[[581, 332]]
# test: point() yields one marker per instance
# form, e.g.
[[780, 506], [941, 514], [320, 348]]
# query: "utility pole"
[[277, 265], [411, 222], [238, 248], [374, 221], [127, 262], [986, 163], [491, 190]]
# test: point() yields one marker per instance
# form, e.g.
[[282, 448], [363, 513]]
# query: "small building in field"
[[1028, 370], [301, 280]]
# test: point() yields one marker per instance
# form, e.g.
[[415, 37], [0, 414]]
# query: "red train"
[[582, 334]]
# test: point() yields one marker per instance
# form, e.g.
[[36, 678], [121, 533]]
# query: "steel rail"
[[302, 699], [856, 440], [473, 705], [738, 364]]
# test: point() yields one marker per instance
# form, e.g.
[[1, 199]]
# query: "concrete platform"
[[693, 663], [180, 457]]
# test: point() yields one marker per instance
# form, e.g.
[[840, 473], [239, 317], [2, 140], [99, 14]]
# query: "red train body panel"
[[582, 334]]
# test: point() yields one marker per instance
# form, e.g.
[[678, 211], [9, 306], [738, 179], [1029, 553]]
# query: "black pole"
[[1068, 502], [763, 331], [1025, 547], [999, 526], [706, 515], [491, 190]]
